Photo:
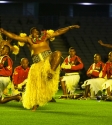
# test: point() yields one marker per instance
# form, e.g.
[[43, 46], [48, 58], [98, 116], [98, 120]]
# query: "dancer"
[[43, 76]]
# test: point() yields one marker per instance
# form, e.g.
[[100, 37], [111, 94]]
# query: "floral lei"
[[40, 39]]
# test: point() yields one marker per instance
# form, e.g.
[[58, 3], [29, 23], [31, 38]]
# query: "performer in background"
[[107, 72], [104, 44], [94, 84], [6, 64], [72, 66], [20, 73], [19, 77]]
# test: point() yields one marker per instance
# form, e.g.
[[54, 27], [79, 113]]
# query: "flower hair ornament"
[[22, 43], [15, 50], [50, 32]]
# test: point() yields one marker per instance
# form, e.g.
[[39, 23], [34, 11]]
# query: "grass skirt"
[[40, 89]]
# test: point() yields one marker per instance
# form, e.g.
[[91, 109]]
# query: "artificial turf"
[[61, 112]]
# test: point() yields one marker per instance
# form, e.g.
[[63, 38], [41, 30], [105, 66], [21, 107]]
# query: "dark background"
[[95, 17]]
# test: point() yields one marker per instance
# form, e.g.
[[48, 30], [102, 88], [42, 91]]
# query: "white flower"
[[22, 35]]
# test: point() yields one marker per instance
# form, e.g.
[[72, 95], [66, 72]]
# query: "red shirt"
[[107, 70], [96, 69], [19, 75], [6, 68], [76, 64]]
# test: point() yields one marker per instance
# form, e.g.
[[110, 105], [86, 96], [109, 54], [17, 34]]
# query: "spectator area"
[[85, 39]]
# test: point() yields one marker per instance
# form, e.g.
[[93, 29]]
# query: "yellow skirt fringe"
[[40, 89]]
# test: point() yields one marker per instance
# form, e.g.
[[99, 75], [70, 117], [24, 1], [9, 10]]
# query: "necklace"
[[39, 39]]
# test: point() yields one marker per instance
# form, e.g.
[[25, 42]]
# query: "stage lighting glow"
[[86, 3], [4, 2]]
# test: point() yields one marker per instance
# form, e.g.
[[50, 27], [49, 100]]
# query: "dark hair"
[[97, 55], [71, 48], [31, 30], [23, 59]]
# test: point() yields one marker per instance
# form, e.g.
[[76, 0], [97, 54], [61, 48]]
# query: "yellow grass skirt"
[[40, 89]]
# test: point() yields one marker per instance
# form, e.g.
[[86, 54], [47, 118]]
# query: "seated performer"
[[43, 77], [93, 85], [71, 65], [107, 72], [20, 74], [6, 64]]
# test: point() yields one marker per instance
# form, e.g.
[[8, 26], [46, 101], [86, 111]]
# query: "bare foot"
[[18, 98], [35, 107], [52, 100]]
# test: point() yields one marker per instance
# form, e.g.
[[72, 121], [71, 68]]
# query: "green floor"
[[61, 112]]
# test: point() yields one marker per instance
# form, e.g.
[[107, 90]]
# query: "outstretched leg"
[[8, 99]]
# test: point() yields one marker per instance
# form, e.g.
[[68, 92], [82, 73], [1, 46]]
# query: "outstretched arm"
[[63, 30], [103, 44], [13, 36]]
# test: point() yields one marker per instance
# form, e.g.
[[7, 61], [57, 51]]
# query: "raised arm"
[[103, 44], [13, 36], [62, 31]]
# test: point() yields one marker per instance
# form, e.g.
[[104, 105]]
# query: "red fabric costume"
[[5, 66], [107, 70], [76, 64], [96, 69], [19, 75]]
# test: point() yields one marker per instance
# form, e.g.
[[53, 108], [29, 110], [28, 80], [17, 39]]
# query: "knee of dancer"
[[58, 53]]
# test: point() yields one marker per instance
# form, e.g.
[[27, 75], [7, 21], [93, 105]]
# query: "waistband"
[[41, 56], [73, 73]]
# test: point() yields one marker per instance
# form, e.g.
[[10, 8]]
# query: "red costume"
[[5, 66], [107, 70], [19, 75], [95, 68], [75, 62]]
